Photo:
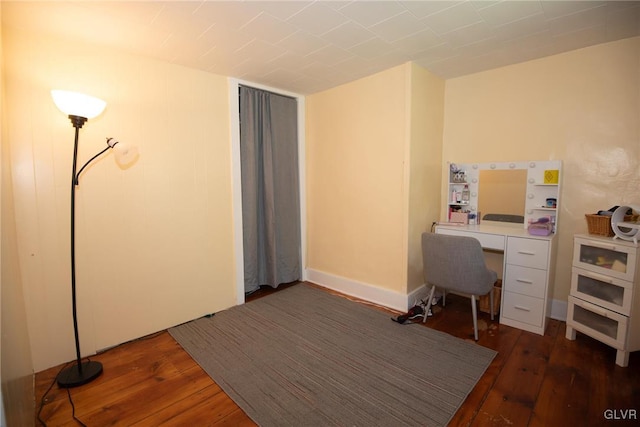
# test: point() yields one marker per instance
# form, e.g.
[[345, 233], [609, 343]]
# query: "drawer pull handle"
[[519, 307], [594, 308], [528, 282], [526, 252]]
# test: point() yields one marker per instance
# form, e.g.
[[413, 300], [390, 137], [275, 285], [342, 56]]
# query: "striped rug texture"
[[304, 357]]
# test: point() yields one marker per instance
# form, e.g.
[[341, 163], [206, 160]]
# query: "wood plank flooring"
[[533, 381]]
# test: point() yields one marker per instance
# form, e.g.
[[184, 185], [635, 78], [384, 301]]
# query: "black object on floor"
[[413, 313]]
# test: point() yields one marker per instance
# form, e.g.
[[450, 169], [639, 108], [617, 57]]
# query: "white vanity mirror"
[[516, 191], [502, 192]]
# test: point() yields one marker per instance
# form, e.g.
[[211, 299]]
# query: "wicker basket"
[[601, 224], [484, 304]]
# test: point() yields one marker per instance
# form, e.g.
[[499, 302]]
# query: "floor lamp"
[[80, 108]]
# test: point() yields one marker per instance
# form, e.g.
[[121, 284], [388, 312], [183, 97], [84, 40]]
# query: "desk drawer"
[[487, 240], [527, 252], [523, 308], [525, 281], [604, 325]]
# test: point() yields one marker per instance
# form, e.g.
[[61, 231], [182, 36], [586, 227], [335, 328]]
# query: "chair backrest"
[[456, 263], [504, 218]]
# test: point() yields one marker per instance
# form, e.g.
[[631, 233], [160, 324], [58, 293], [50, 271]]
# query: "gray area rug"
[[304, 357]]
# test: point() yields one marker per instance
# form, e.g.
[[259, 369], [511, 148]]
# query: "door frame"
[[236, 196]]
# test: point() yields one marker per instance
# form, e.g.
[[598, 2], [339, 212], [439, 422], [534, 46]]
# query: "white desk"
[[528, 270]]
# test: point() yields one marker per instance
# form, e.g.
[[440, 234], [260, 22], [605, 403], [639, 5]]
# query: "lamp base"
[[72, 377]]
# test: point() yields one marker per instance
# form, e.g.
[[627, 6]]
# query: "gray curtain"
[[270, 188]]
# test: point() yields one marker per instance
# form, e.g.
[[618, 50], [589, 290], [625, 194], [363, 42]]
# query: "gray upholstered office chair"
[[456, 263]]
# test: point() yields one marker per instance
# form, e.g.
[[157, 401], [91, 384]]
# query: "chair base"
[[474, 309]]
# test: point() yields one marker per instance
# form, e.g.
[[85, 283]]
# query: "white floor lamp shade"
[[78, 104]]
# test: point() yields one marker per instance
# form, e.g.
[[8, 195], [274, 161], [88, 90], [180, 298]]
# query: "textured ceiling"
[[309, 46]]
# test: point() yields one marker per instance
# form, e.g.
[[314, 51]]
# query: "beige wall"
[[581, 107], [15, 354], [17, 405], [356, 190], [154, 241], [426, 118], [374, 160]]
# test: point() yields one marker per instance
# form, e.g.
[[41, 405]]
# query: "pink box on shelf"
[[459, 217]]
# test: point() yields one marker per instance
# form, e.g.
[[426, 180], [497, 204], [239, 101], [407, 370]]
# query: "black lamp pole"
[[81, 372]]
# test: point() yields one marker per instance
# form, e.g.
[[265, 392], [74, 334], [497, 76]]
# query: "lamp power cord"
[[44, 397]]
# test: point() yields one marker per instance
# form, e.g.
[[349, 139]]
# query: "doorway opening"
[[262, 166]]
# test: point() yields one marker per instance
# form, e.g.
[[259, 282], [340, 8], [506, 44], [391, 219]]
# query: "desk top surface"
[[493, 227]]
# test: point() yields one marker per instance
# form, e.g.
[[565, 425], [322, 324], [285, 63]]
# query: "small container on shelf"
[[457, 175], [473, 218], [541, 226], [466, 194]]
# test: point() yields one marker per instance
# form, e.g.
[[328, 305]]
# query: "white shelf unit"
[[457, 184], [604, 302]]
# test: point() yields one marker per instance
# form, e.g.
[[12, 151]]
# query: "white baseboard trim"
[[559, 309], [368, 292], [391, 299]]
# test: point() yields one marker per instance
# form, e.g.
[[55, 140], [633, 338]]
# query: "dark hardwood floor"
[[533, 381]]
